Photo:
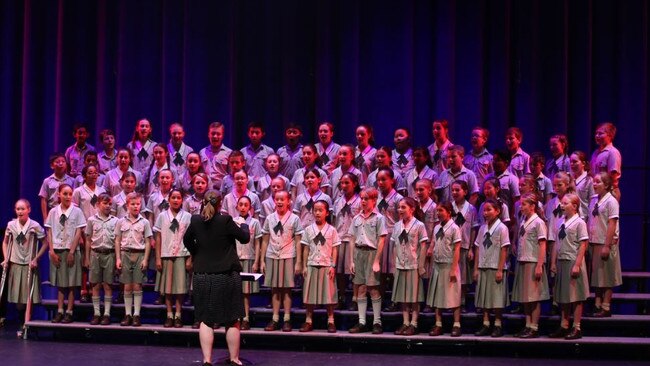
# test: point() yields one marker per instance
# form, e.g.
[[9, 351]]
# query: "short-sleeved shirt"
[[439, 156], [480, 164], [229, 205], [606, 160], [387, 206], [50, 188], [504, 216], [281, 231], [607, 208], [101, 231], [519, 163], [142, 155], [544, 185], [157, 203], [530, 233], [445, 239], [171, 234], [298, 180], [344, 212], [112, 182], [106, 163], [328, 156], [336, 175], [365, 160], [63, 230], [402, 162], [414, 176], [268, 207], [489, 241], [86, 198], [22, 239], [575, 231], [553, 213], [321, 244], [400, 182], [290, 160], [215, 164], [447, 177], [255, 159], [75, 158], [430, 217], [263, 185], [407, 239], [247, 250], [554, 166], [367, 230], [192, 204], [177, 158], [304, 206], [133, 232], [119, 207], [467, 219], [584, 190]]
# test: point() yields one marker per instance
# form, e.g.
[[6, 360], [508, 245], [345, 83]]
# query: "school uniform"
[[229, 204], [544, 185], [50, 188], [133, 234], [142, 155], [228, 185], [553, 213], [414, 176], [430, 221], [387, 206], [504, 216], [157, 202], [366, 231], [255, 159], [281, 249], [290, 160], [606, 160], [298, 180], [571, 234], [489, 242], [584, 190], [79, 180], [246, 251], [75, 158], [519, 163], [526, 288], [86, 198], [400, 182], [439, 155], [336, 175], [268, 207], [119, 207], [106, 163], [604, 273], [22, 239], [365, 160], [554, 166], [467, 219], [178, 158], [319, 288], [152, 184], [112, 183], [192, 204], [402, 162], [344, 211], [100, 233], [215, 164], [447, 178], [184, 183], [63, 225], [304, 206], [328, 156], [173, 278], [480, 163], [442, 293], [263, 185], [509, 186], [408, 238]]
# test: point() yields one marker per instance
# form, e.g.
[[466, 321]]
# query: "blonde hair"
[[211, 204], [574, 199], [566, 179]]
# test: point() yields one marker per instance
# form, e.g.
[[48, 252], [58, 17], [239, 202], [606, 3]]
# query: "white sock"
[[497, 323], [128, 302], [137, 302], [376, 310], [96, 311], [362, 307], [170, 315], [287, 317], [108, 301]]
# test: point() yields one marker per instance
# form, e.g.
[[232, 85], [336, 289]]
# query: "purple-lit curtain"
[[545, 66]]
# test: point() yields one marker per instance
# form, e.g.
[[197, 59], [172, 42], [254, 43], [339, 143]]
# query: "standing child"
[[490, 267], [107, 157], [423, 189], [583, 182], [402, 154], [85, 196], [74, 154], [291, 153], [21, 238], [607, 158], [544, 184], [249, 254], [369, 234], [479, 160], [346, 165], [572, 283], [263, 184], [311, 161], [65, 223], [531, 284], [519, 159], [120, 208], [410, 238], [178, 150], [133, 241], [268, 205], [559, 161], [605, 256], [281, 247], [90, 158], [421, 170], [99, 257], [236, 163], [192, 167], [364, 152], [465, 217], [438, 149], [142, 146], [491, 190], [326, 148], [172, 258], [49, 192], [160, 162], [229, 206], [157, 203], [509, 183], [320, 242], [256, 152], [200, 185], [214, 157], [383, 160], [444, 287], [304, 204], [456, 171], [113, 181]]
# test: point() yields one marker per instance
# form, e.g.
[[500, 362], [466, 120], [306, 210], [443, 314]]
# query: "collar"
[[409, 224], [505, 172], [373, 212], [603, 199], [406, 154], [365, 151], [294, 151], [442, 147], [463, 209], [481, 153], [494, 226], [391, 194], [108, 218], [559, 160], [259, 148], [462, 171], [128, 217], [66, 212], [518, 152], [103, 155], [607, 147], [571, 220], [529, 220], [426, 206], [581, 178], [23, 228], [447, 225], [173, 151]]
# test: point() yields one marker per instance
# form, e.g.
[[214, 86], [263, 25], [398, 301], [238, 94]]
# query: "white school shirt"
[[407, 247], [439, 155], [290, 160], [112, 181], [400, 182], [178, 158], [22, 237], [336, 175], [554, 166], [367, 230], [480, 164], [119, 208], [430, 217], [153, 183], [608, 208], [86, 198], [228, 184], [585, 190], [298, 180], [553, 213], [184, 182], [215, 165], [192, 204], [606, 160], [268, 207], [468, 222], [263, 185], [321, 247], [533, 230], [389, 208], [490, 251], [101, 231], [519, 163], [412, 177], [402, 162], [575, 231], [329, 155], [50, 188], [75, 158], [447, 177], [247, 250], [504, 216], [157, 203], [445, 238], [344, 212], [133, 232], [142, 155], [105, 162], [365, 160], [255, 160], [171, 242], [62, 235], [229, 204], [79, 180], [544, 185], [281, 237], [304, 206]]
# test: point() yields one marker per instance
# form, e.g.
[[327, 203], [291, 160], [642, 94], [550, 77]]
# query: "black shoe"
[[377, 328], [521, 332], [483, 331], [559, 333], [574, 334], [57, 318], [531, 333], [456, 332], [359, 328], [401, 329], [497, 332]]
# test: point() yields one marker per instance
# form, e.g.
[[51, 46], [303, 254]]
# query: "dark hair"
[[78, 126], [90, 153], [135, 131], [427, 155], [255, 124], [515, 131], [463, 185], [104, 197], [388, 171], [106, 132], [128, 151], [495, 205], [537, 158], [417, 211], [318, 161], [369, 130], [57, 155], [503, 155], [294, 126], [201, 170], [388, 152], [153, 162], [486, 132], [245, 197], [447, 206], [354, 179]]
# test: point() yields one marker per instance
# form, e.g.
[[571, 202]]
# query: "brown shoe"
[[286, 326], [455, 332], [531, 333], [401, 329], [559, 333], [410, 330], [245, 325], [169, 322], [435, 331], [94, 320], [128, 320], [178, 323], [272, 326], [331, 328], [136, 321], [358, 328], [575, 334], [306, 327], [377, 328], [67, 318], [106, 320]]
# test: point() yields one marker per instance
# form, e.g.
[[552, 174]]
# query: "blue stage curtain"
[[547, 66]]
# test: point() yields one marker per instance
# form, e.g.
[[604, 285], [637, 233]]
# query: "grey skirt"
[[319, 288], [279, 273], [442, 293], [489, 293], [407, 286], [18, 290], [605, 273], [526, 288], [568, 289]]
